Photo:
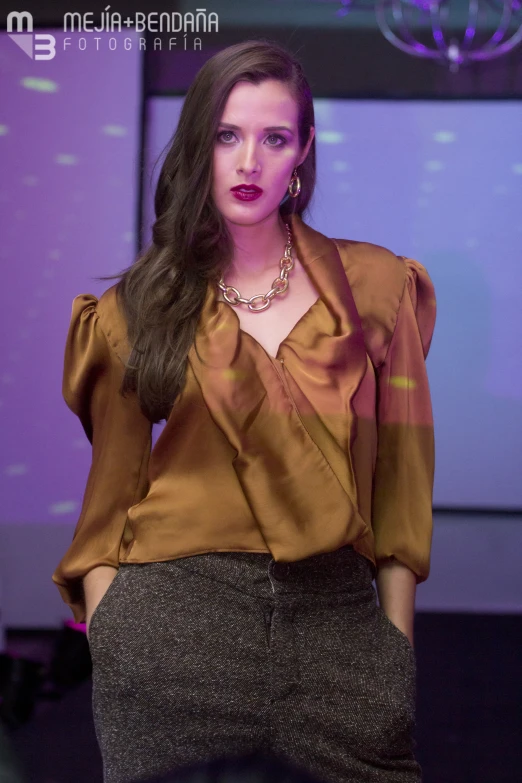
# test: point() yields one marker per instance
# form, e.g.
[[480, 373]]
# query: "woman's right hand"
[[96, 582]]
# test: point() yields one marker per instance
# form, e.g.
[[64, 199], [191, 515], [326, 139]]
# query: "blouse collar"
[[329, 335]]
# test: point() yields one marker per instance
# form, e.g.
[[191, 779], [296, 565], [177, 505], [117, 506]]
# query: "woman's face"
[[252, 153]]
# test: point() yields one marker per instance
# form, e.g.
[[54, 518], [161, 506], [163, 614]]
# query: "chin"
[[242, 218], [253, 213]]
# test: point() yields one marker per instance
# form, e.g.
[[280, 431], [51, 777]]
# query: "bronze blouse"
[[329, 443]]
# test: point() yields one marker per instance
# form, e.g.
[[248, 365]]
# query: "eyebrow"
[[271, 128]]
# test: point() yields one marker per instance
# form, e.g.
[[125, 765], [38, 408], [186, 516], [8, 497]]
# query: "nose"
[[247, 159]]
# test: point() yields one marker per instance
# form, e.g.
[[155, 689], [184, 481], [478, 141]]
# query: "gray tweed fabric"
[[222, 654]]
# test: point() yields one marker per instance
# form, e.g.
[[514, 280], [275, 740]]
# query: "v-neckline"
[[221, 342], [284, 341]]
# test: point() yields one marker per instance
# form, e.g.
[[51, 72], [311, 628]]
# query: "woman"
[[226, 577]]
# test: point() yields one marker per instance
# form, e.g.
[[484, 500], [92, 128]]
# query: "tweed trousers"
[[228, 653]]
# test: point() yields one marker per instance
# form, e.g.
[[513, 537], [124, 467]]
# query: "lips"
[[247, 189]]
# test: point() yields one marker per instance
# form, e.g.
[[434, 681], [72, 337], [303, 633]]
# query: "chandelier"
[[397, 20]]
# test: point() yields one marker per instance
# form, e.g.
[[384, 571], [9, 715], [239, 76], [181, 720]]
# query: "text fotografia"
[[152, 22], [113, 44]]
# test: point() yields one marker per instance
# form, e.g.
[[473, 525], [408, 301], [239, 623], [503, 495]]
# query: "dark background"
[[328, 47]]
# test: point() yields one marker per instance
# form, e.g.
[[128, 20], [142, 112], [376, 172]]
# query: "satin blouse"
[[330, 442]]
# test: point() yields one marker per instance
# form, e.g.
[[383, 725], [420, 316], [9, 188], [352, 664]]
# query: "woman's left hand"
[[396, 586]]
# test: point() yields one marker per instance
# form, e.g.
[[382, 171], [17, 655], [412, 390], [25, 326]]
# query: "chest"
[[271, 326]]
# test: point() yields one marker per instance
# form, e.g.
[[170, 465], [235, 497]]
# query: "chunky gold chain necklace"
[[279, 285]]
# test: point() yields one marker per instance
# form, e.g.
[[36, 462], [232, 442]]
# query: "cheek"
[[288, 155], [283, 166]]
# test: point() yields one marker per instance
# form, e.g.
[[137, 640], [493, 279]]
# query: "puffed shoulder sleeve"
[[120, 435], [403, 480]]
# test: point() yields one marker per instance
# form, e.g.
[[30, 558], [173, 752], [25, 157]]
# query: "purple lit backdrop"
[[69, 149]]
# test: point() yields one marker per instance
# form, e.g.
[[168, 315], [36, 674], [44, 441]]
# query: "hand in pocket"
[[97, 583]]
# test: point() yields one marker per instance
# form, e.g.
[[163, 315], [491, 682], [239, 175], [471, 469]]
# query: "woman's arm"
[[402, 517], [120, 435], [396, 588]]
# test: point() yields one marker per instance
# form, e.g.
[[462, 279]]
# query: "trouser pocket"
[[101, 606], [401, 637]]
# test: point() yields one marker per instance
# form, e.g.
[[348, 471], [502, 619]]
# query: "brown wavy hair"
[[161, 294]]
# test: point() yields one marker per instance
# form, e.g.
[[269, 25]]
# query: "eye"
[[271, 136], [277, 136], [224, 133]]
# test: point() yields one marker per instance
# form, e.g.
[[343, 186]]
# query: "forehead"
[[252, 104]]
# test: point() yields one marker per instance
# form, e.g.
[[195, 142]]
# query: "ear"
[[308, 145]]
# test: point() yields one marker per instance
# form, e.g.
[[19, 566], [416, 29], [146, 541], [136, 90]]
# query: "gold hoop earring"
[[295, 181]]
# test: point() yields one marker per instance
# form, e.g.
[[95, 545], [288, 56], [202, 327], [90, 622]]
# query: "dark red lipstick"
[[246, 192]]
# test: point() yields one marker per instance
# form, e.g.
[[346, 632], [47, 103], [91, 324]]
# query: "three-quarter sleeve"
[[404, 473], [120, 435]]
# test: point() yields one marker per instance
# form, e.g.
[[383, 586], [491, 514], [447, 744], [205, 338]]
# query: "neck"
[[257, 249]]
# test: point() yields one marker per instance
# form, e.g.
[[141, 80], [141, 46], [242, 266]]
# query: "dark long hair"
[[161, 294]]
